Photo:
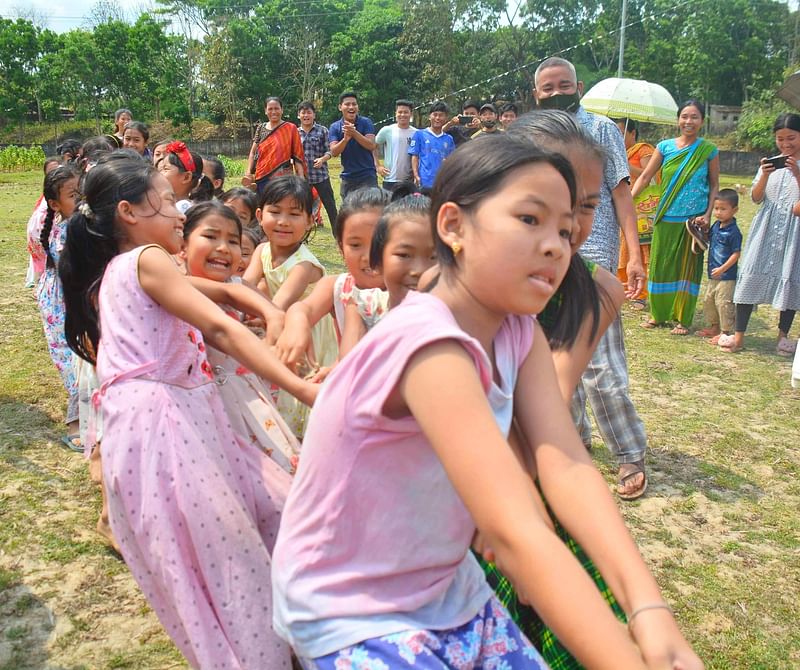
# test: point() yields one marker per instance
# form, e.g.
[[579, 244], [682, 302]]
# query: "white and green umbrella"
[[631, 98]]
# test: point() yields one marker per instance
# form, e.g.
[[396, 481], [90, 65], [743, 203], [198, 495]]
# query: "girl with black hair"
[[407, 453], [361, 285], [184, 171], [769, 272], [287, 271], [187, 501], [61, 195]]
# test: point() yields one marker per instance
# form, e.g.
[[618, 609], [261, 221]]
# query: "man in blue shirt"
[[429, 147], [353, 138]]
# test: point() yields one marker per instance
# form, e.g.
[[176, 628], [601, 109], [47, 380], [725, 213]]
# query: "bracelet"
[[644, 608]]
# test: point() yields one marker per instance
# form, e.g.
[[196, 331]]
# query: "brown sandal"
[[635, 468]]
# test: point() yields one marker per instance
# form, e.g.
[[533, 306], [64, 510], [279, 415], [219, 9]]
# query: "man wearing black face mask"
[[488, 116], [606, 378]]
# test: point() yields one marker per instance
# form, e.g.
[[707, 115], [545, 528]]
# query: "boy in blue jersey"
[[429, 147]]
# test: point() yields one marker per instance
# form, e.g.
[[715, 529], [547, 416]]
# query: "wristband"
[[644, 608]]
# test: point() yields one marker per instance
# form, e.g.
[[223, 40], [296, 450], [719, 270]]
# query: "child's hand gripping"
[[295, 338], [661, 644]]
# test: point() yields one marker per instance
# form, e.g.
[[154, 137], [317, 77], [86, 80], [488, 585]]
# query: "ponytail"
[[53, 183], [93, 240], [204, 190]]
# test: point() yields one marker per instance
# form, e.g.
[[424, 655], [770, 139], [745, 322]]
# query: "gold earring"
[[456, 247]]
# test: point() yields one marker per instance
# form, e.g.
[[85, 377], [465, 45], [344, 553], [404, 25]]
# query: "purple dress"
[[194, 510]]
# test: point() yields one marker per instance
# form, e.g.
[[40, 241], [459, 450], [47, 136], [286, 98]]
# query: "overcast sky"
[[63, 15]]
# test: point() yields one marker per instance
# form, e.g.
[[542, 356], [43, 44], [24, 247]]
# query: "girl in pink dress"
[[188, 502]]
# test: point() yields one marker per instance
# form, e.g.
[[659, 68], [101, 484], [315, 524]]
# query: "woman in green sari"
[[690, 181]]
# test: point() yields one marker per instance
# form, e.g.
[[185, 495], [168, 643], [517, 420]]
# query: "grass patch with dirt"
[[720, 526]]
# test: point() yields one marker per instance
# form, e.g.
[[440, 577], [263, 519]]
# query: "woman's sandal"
[[707, 332], [785, 347], [679, 330], [631, 470], [650, 325], [727, 343]]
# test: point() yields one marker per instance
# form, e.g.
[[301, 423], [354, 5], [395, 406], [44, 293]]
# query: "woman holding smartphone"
[[769, 272]]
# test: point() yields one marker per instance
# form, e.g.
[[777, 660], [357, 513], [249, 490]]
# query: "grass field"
[[720, 525]]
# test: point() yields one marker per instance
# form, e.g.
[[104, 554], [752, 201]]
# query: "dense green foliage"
[[218, 60]]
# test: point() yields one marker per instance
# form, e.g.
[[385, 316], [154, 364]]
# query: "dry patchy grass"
[[719, 527]]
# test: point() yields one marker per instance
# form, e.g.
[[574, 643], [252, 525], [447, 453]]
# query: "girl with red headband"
[[184, 171]]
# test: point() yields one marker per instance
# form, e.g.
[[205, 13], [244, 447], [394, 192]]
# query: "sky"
[[63, 15]]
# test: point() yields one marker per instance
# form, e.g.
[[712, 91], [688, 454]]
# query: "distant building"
[[722, 119]]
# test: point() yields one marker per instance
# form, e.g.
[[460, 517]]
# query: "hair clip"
[[84, 209], [183, 154]]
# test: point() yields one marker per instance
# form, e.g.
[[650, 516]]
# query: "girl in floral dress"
[[61, 195]]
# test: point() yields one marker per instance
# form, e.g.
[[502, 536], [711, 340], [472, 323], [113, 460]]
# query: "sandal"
[[727, 343], [699, 236], [708, 332], [632, 470], [650, 325], [73, 442], [679, 330], [786, 347], [714, 341], [638, 304]]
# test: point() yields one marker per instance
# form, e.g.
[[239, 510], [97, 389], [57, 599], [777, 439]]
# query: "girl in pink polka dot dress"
[[188, 502]]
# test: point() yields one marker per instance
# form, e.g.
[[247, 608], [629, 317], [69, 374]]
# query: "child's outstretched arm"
[[300, 276], [354, 330], [161, 280], [571, 363], [580, 500], [301, 317], [245, 299], [441, 389]]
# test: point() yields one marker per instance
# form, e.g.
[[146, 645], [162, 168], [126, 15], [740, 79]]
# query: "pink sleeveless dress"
[[194, 510]]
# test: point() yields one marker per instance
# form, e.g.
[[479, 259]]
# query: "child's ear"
[[182, 253], [52, 203], [258, 214], [450, 224], [125, 213]]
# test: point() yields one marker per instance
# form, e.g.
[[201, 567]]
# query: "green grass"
[[720, 526]]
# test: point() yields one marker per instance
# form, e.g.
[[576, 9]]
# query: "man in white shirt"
[[394, 139]]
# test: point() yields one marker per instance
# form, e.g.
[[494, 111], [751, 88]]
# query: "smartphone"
[[777, 162], [466, 120]]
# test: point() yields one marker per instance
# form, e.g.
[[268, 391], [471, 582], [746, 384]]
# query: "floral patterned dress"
[[195, 510], [50, 298]]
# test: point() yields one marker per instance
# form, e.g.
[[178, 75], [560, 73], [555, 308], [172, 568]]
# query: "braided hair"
[[53, 183]]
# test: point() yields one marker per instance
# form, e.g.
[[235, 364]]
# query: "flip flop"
[[679, 330], [707, 332], [650, 325], [699, 237], [638, 468], [73, 443]]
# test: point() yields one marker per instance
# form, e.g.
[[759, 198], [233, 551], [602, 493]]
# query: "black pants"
[[743, 313], [325, 191]]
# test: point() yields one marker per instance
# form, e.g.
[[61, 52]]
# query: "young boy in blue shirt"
[[724, 249], [429, 147]]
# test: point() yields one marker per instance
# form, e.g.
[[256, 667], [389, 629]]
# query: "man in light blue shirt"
[[395, 140], [605, 381]]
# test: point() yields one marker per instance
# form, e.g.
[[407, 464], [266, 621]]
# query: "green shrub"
[[233, 167], [19, 159]]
